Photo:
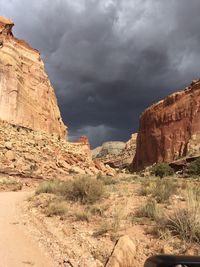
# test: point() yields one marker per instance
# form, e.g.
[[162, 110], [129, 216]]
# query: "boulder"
[[123, 254]]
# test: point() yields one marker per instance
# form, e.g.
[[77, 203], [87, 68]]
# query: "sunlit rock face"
[[170, 129], [27, 97], [117, 154]]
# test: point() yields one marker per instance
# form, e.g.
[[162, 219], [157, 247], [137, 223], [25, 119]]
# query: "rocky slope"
[[26, 95], [116, 154], [28, 153], [170, 129]]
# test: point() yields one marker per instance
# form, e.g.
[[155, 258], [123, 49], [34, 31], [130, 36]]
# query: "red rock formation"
[[83, 140], [170, 129], [26, 95]]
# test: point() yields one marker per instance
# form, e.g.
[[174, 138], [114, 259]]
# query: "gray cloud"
[[110, 59]]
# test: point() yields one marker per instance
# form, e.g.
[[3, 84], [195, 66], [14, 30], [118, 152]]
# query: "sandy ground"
[[17, 249]]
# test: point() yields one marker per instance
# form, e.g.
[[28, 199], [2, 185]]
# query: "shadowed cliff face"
[[26, 95], [170, 129]]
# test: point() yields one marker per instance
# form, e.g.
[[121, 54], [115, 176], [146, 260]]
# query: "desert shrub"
[[149, 210], [104, 228], [47, 187], [194, 167], [162, 170], [84, 189], [82, 216], [107, 180], [147, 187], [164, 189], [96, 210], [56, 209], [185, 222], [11, 184], [161, 190]]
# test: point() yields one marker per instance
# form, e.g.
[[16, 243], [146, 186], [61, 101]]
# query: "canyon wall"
[[26, 95], [170, 129], [116, 154]]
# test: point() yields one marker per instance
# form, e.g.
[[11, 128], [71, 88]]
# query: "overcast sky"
[[110, 59]]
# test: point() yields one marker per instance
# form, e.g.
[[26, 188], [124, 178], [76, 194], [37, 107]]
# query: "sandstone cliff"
[[32, 135], [116, 154], [170, 129], [26, 95]]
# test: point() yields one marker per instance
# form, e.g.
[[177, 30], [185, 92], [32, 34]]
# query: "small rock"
[[10, 155], [8, 145]]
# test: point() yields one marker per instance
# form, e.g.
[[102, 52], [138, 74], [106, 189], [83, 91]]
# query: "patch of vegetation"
[[47, 187], [11, 184], [130, 179], [87, 190], [194, 167], [102, 230], [147, 187], [56, 209], [107, 180], [160, 189], [82, 216], [97, 210], [185, 222], [149, 210], [164, 189], [162, 170]]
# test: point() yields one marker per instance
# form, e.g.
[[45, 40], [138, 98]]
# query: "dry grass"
[[47, 187], [149, 210], [107, 180], [82, 216], [160, 189], [185, 222], [85, 189], [9, 184], [56, 209], [104, 228]]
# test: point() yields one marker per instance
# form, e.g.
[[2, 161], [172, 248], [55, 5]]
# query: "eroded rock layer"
[[170, 129], [26, 95], [28, 153]]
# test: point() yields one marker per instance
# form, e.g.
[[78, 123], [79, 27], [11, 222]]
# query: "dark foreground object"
[[172, 261]]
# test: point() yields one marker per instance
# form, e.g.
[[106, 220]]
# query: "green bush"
[[194, 167], [162, 170], [84, 189]]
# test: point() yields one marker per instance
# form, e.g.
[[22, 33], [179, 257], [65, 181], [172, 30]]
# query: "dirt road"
[[17, 249]]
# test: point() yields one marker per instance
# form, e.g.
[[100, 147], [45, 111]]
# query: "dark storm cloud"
[[110, 59]]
